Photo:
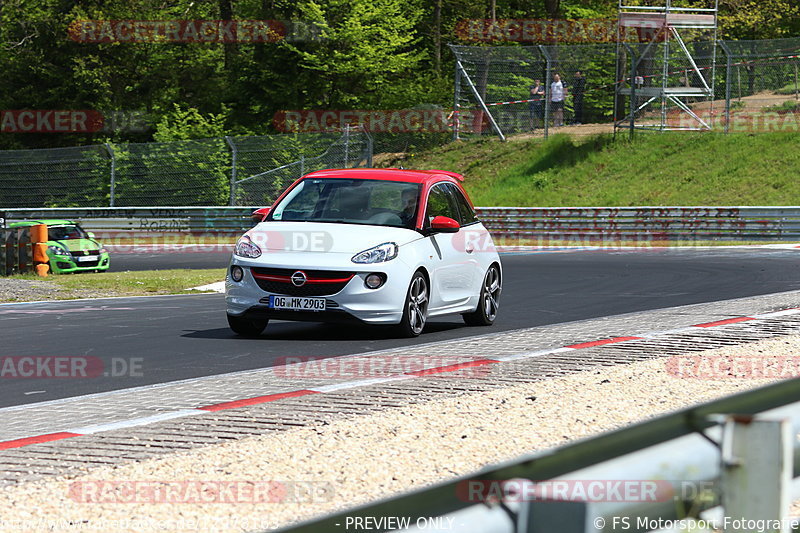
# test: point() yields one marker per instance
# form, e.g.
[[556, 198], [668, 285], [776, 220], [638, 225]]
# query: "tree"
[[365, 45], [552, 8], [751, 19]]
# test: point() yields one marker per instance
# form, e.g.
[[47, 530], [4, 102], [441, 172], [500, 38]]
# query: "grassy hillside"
[[653, 169]]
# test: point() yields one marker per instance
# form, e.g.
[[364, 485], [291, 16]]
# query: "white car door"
[[453, 269], [473, 239]]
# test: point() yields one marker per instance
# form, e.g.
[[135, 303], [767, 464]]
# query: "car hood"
[[75, 245], [326, 237]]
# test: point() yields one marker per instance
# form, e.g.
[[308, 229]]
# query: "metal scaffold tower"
[[666, 58]]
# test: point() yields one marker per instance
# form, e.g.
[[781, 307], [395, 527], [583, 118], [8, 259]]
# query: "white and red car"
[[376, 246]]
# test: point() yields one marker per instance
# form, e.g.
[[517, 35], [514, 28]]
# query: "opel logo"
[[299, 278]]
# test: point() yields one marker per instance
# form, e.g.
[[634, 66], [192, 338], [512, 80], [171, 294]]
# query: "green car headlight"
[[57, 250]]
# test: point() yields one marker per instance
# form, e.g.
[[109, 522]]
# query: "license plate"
[[295, 303], [87, 258]]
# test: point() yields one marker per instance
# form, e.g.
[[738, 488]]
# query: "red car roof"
[[392, 174]]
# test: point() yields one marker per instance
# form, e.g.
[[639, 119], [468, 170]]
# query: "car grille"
[[94, 254], [319, 282]]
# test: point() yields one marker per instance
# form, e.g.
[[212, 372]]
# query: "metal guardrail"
[[742, 451], [656, 223], [144, 221], [552, 223]]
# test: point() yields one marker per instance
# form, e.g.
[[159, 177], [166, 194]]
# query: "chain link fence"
[[762, 89], [193, 172], [679, 85], [218, 171], [55, 177], [506, 90], [304, 153]]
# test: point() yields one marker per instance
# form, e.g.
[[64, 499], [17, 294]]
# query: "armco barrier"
[[551, 223], [145, 222], [653, 223]]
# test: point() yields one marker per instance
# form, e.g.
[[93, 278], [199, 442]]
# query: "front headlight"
[[57, 250], [246, 248], [103, 251], [377, 254]]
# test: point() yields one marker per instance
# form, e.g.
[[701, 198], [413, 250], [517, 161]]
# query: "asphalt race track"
[[178, 337], [164, 261]]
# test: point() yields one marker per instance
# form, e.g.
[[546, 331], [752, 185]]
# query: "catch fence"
[[749, 86], [250, 170]]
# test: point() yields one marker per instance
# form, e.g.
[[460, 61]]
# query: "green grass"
[[127, 283], [789, 89], [141, 282], [654, 169], [789, 106]]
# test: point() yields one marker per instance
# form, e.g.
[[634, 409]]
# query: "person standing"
[[536, 103], [578, 87], [557, 93]]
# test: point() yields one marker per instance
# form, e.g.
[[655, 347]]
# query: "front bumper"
[[63, 264], [354, 303], [337, 316]]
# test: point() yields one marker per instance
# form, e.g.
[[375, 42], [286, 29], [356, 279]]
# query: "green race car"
[[70, 248]]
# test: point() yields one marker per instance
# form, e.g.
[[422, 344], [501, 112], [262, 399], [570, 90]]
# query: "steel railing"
[[656, 223], [719, 447], [535, 223]]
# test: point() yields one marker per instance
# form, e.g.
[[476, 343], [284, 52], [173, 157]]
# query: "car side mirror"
[[442, 224], [90, 234], [259, 215]]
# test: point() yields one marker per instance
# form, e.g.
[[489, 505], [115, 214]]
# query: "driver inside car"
[[409, 203]]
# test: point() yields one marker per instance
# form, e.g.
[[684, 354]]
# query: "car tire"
[[486, 313], [415, 307], [247, 327]]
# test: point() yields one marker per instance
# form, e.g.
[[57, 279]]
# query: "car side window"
[[466, 213], [440, 203]]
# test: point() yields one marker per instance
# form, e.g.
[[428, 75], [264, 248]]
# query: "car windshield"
[[64, 233], [350, 201]]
